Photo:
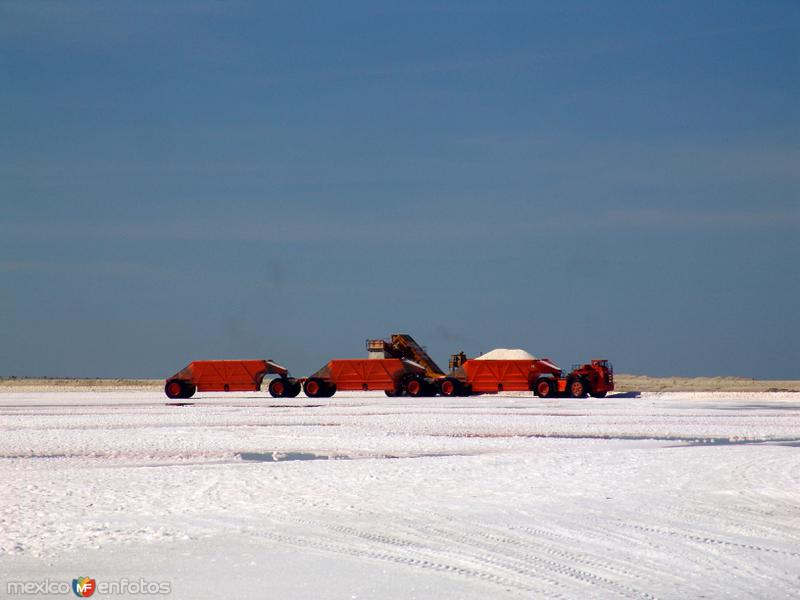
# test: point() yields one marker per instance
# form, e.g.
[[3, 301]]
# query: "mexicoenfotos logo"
[[84, 586]]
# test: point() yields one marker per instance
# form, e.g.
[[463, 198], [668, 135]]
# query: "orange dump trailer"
[[231, 376], [492, 376], [391, 375], [542, 376]]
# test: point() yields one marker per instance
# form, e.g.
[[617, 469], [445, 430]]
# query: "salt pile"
[[507, 354]]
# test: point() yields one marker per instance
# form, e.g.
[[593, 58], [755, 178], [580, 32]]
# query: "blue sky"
[[188, 180]]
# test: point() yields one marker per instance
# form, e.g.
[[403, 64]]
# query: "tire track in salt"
[[435, 548], [558, 562], [703, 539], [369, 545], [527, 538], [433, 563], [507, 554]]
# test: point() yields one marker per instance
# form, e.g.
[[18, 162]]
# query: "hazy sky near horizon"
[[185, 180]]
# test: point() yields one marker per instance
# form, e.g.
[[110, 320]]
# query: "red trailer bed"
[[227, 376], [390, 375], [488, 376]]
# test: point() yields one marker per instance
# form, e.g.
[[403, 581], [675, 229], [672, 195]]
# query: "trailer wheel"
[[293, 389], [450, 387], [328, 390], [314, 388], [415, 387], [577, 388], [174, 389], [188, 390], [279, 387], [598, 394], [429, 389], [544, 388]]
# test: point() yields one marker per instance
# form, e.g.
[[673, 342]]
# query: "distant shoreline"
[[624, 383]]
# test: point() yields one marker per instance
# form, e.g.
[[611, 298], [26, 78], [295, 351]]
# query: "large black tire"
[[450, 386], [414, 386], [544, 388], [188, 390], [279, 387], [598, 394], [330, 390], [174, 389], [577, 388], [294, 388], [314, 388]]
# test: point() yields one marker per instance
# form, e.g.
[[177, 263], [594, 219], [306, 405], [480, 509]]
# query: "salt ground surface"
[[674, 495]]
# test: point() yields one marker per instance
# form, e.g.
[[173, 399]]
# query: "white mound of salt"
[[506, 354]]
